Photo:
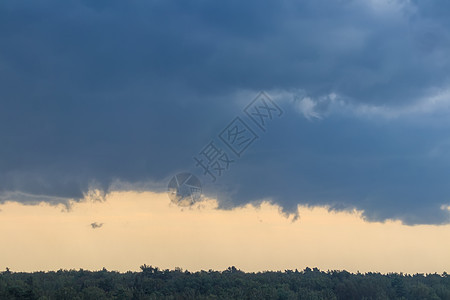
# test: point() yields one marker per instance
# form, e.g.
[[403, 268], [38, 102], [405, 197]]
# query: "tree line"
[[154, 283]]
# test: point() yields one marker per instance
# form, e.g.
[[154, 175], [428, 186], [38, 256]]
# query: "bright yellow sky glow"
[[146, 228]]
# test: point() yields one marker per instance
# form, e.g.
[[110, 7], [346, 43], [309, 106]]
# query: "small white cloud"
[[307, 107]]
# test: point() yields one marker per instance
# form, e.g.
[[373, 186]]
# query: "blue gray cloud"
[[96, 93]]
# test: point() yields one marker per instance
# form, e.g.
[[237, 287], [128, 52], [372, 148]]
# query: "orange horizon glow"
[[146, 228]]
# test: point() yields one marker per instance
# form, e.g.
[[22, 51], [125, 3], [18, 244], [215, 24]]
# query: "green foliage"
[[154, 283]]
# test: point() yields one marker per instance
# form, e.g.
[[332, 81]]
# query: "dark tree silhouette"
[[232, 283]]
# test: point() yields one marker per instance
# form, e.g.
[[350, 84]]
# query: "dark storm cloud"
[[97, 92]]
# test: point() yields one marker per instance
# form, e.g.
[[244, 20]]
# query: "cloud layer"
[[95, 94]]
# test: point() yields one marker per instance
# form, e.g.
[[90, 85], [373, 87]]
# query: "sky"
[[130, 229], [105, 101]]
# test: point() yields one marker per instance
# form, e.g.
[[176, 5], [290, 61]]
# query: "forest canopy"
[[154, 283]]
